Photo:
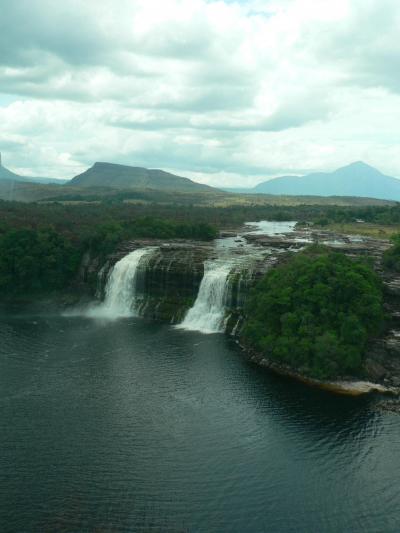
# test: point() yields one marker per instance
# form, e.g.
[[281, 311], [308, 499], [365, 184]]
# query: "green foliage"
[[315, 313], [80, 220], [105, 237], [101, 225], [37, 258], [391, 258], [169, 229], [35, 261]]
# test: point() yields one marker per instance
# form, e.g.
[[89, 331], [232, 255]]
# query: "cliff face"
[[167, 282]]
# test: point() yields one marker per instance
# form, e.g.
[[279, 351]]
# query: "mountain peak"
[[106, 164], [355, 179], [358, 170], [359, 164]]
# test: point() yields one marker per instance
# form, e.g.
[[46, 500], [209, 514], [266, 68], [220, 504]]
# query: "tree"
[[315, 313], [35, 260]]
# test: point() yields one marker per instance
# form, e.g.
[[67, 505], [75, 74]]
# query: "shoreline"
[[344, 387]]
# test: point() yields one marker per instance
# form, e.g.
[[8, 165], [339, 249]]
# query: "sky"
[[228, 93]]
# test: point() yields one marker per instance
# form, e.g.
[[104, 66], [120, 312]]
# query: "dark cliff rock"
[[168, 280]]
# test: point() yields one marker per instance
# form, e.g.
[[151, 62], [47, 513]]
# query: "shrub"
[[391, 258]]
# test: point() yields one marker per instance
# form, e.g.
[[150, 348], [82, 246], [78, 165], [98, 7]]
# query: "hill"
[[6, 174], [106, 182], [127, 177], [356, 179], [9, 176]]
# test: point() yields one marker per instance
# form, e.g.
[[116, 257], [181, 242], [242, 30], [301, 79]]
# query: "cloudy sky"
[[226, 92]]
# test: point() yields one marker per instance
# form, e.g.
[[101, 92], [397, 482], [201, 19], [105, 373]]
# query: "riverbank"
[[54, 303], [343, 386]]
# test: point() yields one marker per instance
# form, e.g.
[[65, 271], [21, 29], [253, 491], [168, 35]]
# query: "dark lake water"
[[134, 426]]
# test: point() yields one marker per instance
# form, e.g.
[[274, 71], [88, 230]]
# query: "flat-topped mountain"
[[127, 177], [356, 179]]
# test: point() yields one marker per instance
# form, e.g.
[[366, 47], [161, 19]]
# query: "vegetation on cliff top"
[[36, 257], [100, 227], [391, 258], [78, 219], [34, 261], [315, 313]]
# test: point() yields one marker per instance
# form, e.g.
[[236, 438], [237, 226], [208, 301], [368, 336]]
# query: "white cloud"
[[232, 91]]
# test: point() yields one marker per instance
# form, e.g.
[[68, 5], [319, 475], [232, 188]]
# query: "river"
[[133, 426]]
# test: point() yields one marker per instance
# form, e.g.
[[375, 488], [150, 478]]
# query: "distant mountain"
[[357, 179], [281, 179], [126, 177], [7, 175], [239, 190]]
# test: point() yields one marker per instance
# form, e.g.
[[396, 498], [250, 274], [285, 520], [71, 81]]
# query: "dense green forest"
[[36, 261], [41, 246], [78, 217], [315, 313], [57, 234], [42, 259]]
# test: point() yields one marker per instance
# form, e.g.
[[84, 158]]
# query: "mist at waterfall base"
[[133, 426]]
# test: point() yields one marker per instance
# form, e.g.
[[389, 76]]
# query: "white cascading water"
[[208, 312], [120, 291]]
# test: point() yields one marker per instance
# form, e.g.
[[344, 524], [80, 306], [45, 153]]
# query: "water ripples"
[[134, 426]]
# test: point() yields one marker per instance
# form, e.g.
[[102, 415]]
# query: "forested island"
[[316, 313]]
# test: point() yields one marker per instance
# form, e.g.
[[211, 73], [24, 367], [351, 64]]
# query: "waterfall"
[[121, 289], [208, 312]]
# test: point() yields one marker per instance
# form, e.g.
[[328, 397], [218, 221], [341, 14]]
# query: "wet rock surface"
[[168, 281]]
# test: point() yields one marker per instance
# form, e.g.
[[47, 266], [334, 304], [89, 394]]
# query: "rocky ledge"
[[345, 386]]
